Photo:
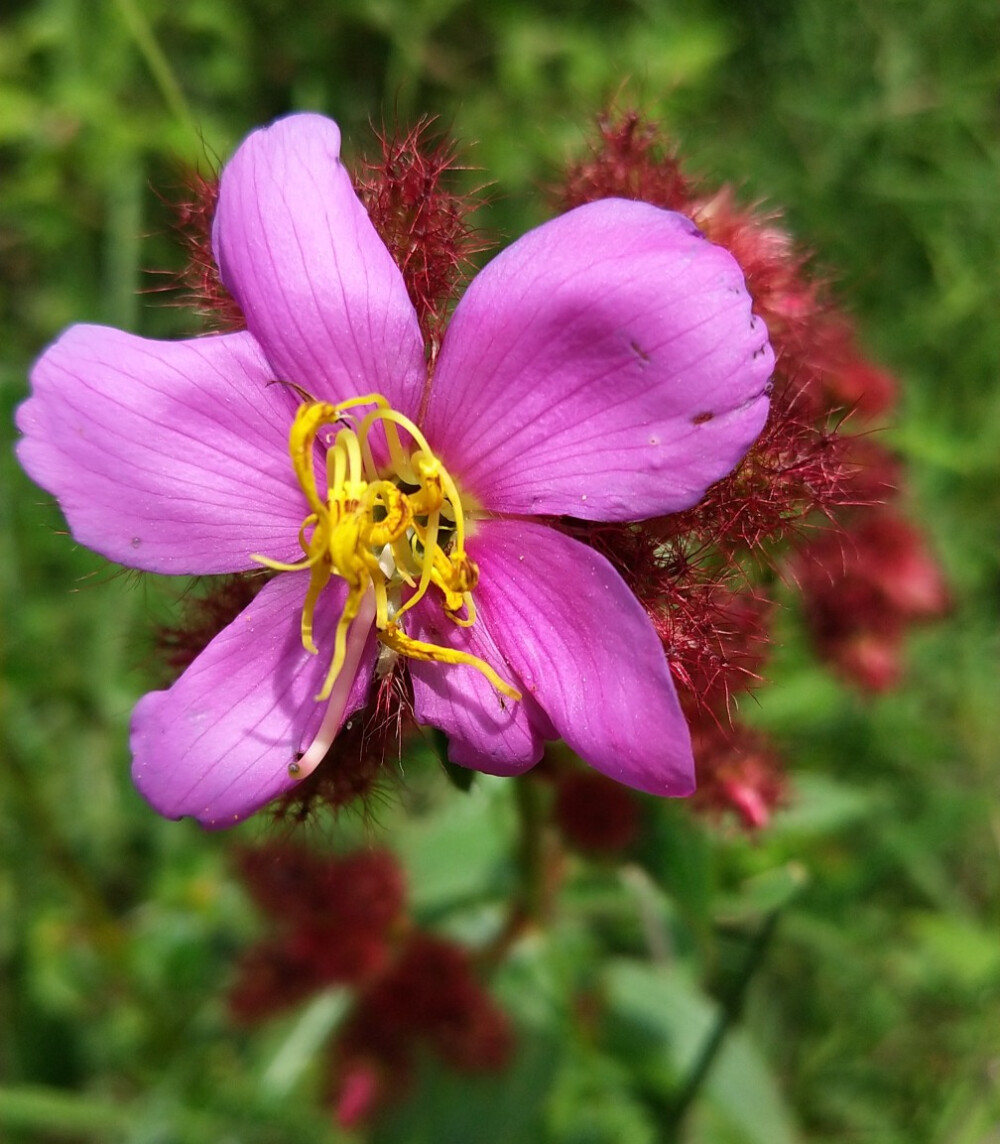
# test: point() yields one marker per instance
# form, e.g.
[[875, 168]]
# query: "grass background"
[[875, 1016]]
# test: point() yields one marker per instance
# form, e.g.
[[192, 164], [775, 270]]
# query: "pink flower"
[[605, 367]]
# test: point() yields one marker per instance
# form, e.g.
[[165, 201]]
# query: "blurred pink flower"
[[863, 588]]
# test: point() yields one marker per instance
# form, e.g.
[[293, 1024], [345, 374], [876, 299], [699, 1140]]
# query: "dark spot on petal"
[[136, 541], [639, 352], [701, 418]]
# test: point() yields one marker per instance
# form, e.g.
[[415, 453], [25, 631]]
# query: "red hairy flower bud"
[[342, 921], [595, 813], [335, 920], [422, 221], [862, 588], [738, 772], [429, 996]]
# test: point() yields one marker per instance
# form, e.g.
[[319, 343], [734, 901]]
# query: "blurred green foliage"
[[875, 1010]]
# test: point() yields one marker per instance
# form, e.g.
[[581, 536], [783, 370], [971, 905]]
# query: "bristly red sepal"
[[198, 283], [421, 219], [712, 623], [204, 613], [627, 161], [795, 470]]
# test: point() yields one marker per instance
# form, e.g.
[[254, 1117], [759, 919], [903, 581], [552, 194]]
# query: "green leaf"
[[459, 853], [822, 805], [659, 1024], [502, 1108], [461, 778], [304, 1042], [764, 893]]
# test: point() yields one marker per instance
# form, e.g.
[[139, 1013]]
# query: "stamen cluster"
[[378, 534]]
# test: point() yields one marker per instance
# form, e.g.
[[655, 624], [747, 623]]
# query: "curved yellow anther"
[[403, 644], [380, 531]]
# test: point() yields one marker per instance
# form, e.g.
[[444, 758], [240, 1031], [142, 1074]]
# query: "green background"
[[876, 1012]]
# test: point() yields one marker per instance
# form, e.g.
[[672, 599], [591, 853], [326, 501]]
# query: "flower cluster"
[[706, 575], [523, 517], [343, 921]]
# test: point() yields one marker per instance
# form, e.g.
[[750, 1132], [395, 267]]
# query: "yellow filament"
[[393, 638], [377, 537]]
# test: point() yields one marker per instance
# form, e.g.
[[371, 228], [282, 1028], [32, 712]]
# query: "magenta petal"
[[583, 647], [166, 456], [317, 286], [605, 366], [219, 743], [485, 730]]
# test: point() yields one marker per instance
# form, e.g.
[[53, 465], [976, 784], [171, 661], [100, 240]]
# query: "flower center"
[[381, 530]]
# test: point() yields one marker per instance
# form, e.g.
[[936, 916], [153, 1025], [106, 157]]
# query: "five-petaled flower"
[[604, 367]]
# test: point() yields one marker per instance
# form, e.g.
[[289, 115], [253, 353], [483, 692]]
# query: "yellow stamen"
[[393, 638], [381, 530]]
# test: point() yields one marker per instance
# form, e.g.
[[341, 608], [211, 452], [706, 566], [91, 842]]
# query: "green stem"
[[531, 898], [51, 1110], [158, 64], [731, 1011], [60, 857]]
